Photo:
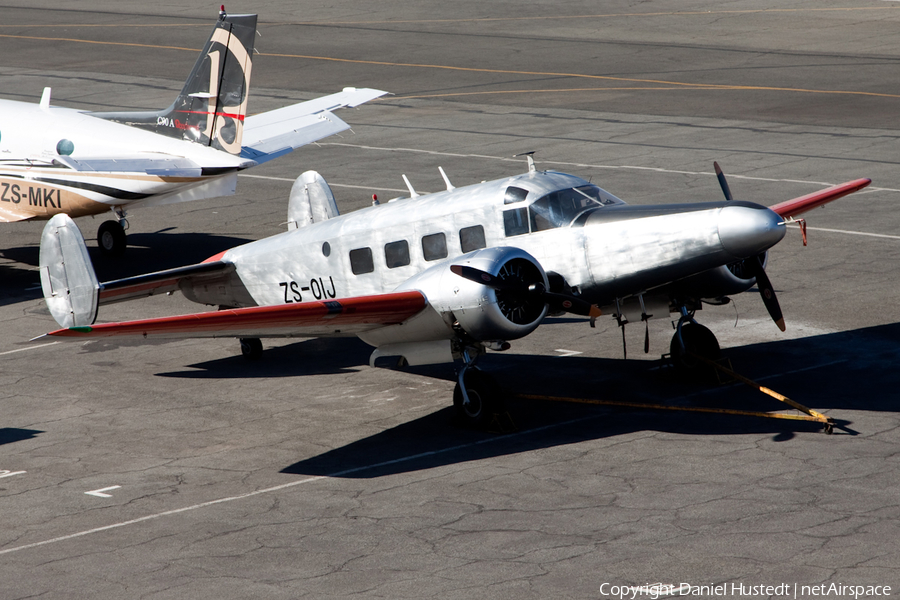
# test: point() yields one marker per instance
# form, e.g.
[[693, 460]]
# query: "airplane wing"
[[166, 166], [346, 316], [278, 132], [808, 202]]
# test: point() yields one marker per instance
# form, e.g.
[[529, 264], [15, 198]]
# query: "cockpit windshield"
[[556, 209], [560, 208]]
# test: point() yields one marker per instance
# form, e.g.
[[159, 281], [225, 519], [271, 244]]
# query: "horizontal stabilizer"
[[802, 204], [346, 316], [161, 282], [277, 132]]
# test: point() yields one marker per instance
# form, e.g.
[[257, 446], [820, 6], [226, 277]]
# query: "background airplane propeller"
[[754, 265]]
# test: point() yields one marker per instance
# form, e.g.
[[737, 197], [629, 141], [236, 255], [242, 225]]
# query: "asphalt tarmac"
[[181, 470]]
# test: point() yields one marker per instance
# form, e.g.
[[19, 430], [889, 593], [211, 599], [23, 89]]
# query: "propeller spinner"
[[754, 265]]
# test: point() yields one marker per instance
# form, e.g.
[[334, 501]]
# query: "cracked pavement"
[[310, 475]]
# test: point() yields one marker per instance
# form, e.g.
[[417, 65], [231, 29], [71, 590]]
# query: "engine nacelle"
[[722, 281], [483, 312]]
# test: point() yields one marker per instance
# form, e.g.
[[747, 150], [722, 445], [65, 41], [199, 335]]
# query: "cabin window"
[[514, 194], [434, 246], [361, 261], [515, 221], [471, 238], [396, 254], [326, 249]]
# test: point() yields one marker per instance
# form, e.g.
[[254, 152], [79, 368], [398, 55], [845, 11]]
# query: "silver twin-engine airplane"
[[59, 160], [442, 277]]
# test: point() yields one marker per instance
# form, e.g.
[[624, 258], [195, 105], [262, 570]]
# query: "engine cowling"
[[485, 313], [726, 280]]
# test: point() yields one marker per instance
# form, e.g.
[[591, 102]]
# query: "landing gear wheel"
[[111, 238], [485, 399], [251, 348], [697, 340]]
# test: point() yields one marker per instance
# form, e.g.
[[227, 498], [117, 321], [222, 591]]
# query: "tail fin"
[[211, 107], [311, 201], [67, 276]]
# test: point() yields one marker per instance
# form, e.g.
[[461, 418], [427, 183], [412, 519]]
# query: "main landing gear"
[[477, 398], [111, 237], [692, 345], [251, 348]]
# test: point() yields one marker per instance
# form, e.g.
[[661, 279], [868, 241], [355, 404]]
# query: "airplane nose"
[[746, 229]]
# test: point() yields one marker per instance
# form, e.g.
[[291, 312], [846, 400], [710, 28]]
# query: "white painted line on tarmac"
[[29, 348], [847, 232], [595, 166], [291, 484], [101, 492], [344, 185], [5, 473], [563, 352]]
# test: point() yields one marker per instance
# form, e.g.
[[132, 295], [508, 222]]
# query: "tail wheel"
[[485, 399], [698, 340]]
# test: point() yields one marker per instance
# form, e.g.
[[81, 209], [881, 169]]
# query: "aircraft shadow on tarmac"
[[848, 370], [10, 435], [147, 252]]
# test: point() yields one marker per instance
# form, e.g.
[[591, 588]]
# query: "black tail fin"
[[213, 103]]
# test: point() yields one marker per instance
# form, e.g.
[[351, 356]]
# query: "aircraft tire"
[[111, 238], [251, 348], [697, 340], [485, 400]]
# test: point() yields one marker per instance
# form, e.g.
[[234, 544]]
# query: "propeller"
[[754, 265], [522, 290]]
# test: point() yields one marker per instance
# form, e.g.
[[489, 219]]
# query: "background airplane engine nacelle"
[[482, 312], [726, 280]]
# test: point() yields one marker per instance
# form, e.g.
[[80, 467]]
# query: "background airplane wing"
[[277, 132], [802, 204], [8, 215], [163, 166], [346, 316]]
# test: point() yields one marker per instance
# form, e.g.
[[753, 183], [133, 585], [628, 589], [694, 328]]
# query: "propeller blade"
[[564, 302], [723, 183], [767, 292], [485, 278]]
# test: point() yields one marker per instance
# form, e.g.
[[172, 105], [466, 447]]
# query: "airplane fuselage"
[[47, 164], [603, 248]]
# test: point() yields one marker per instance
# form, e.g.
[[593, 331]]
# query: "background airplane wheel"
[[697, 340], [111, 238], [251, 348], [485, 399]]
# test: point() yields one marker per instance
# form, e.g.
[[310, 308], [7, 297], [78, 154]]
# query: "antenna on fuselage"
[[530, 157], [450, 186], [412, 192]]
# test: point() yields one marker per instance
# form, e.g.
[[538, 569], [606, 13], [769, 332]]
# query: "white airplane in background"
[[59, 160], [444, 276]]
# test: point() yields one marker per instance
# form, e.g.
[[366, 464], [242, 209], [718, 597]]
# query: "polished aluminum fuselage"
[[608, 252]]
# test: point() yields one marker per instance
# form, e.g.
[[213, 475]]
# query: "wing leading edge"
[[347, 316], [808, 202]]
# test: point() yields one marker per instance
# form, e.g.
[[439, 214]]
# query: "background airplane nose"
[[749, 230]]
